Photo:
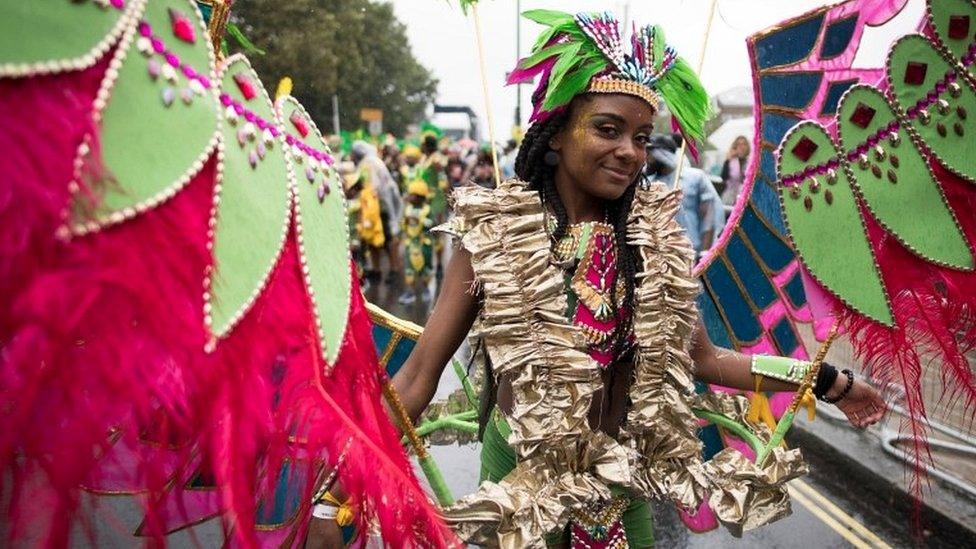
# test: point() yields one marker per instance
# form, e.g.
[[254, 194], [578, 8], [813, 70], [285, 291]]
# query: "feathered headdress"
[[585, 53]]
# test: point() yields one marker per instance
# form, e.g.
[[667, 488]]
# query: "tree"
[[356, 49]]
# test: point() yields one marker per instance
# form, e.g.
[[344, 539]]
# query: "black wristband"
[[847, 388], [826, 377]]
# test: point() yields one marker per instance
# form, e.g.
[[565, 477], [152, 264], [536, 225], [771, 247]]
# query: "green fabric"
[[254, 207], [325, 235], [953, 150], [498, 459], [147, 146], [932, 235], [783, 368], [830, 238], [35, 32], [939, 13]]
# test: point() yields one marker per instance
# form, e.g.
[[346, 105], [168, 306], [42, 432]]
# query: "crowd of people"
[[397, 194]]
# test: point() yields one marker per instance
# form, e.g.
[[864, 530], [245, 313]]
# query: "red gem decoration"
[[862, 115], [915, 73], [182, 26], [245, 85], [959, 27], [300, 124], [804, 149]]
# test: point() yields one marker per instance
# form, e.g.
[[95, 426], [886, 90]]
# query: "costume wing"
[[180, 326], [753, 298], [858, 204]]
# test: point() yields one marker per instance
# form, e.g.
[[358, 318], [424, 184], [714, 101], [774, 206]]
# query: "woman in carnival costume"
[[578, 280], [418, 253]]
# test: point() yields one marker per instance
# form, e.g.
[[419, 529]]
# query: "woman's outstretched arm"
[[449, 323], [862, 405]]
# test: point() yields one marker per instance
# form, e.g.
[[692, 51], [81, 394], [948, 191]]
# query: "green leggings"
[[498, 459]]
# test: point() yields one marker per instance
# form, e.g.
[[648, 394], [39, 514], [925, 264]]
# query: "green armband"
[[783, 368]]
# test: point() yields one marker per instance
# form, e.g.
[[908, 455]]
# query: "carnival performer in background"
[[702, 214], [418, 251], [391, 208], [410, 168], [577, 278], [734, 170], [366, 220], [352, 188]]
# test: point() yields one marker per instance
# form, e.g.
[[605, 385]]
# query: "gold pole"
[[701, 64], [484, 86], [218, 24], [807, 383], [393, 398]]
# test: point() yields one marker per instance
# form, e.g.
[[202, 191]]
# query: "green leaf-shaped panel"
[[54, 36], [954, 22], [159, 125], [825, 223], [947, 125], [893, 174], [324, 229], [254, 201]]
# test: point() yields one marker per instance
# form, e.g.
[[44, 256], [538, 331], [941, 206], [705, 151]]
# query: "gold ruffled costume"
[[562, 463]]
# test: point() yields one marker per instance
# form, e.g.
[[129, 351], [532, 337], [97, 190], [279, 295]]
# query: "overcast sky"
[[443, 39]]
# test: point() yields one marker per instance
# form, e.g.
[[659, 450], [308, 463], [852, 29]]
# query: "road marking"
[[839, 513], [828, 520]]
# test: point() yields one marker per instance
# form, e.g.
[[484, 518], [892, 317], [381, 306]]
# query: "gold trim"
[[398, 325], [629, 87]]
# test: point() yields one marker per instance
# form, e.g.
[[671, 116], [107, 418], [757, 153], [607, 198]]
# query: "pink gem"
[[309, 174], [261, 149], [958, 27], [300, 124], [804, 149], [915, 73], [144, 29], [322, 191], [862, 115], [225, 100], [173, 60], [158, 45], [252, 159], [241, 136], [168, 95], [186, 94], [182, 26], [245, 85], [154, 68]]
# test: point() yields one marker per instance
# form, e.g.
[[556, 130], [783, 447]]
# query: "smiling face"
[[602, 148]]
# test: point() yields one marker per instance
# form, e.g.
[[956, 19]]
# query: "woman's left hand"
[[862, 405]]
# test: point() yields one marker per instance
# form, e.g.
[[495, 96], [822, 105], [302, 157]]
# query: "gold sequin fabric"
[[563, 465]]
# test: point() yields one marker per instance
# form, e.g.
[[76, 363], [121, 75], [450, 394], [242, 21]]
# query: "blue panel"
[[381, 337], [775, 126], [766, 201], [709, 434], [767, 165], [788, 45], [773, 251], [287, 497], [400, 353], [837, 37], [834, 92], [717, 331], [744, 324], [752, 276], [794, 291], [789, 91], [784, 336]]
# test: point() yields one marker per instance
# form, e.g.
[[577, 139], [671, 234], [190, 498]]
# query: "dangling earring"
[[551, 158]]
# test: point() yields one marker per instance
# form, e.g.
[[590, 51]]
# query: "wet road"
[[827, 509]]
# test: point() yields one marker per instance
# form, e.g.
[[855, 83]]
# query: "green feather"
[[564, 64], [657, 34], [686, 98], [546, 53], [549, 18], [575, 83]]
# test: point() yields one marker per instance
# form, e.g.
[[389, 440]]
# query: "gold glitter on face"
[[602, 147]]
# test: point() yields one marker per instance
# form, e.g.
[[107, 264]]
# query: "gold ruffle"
[[563, 465]]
